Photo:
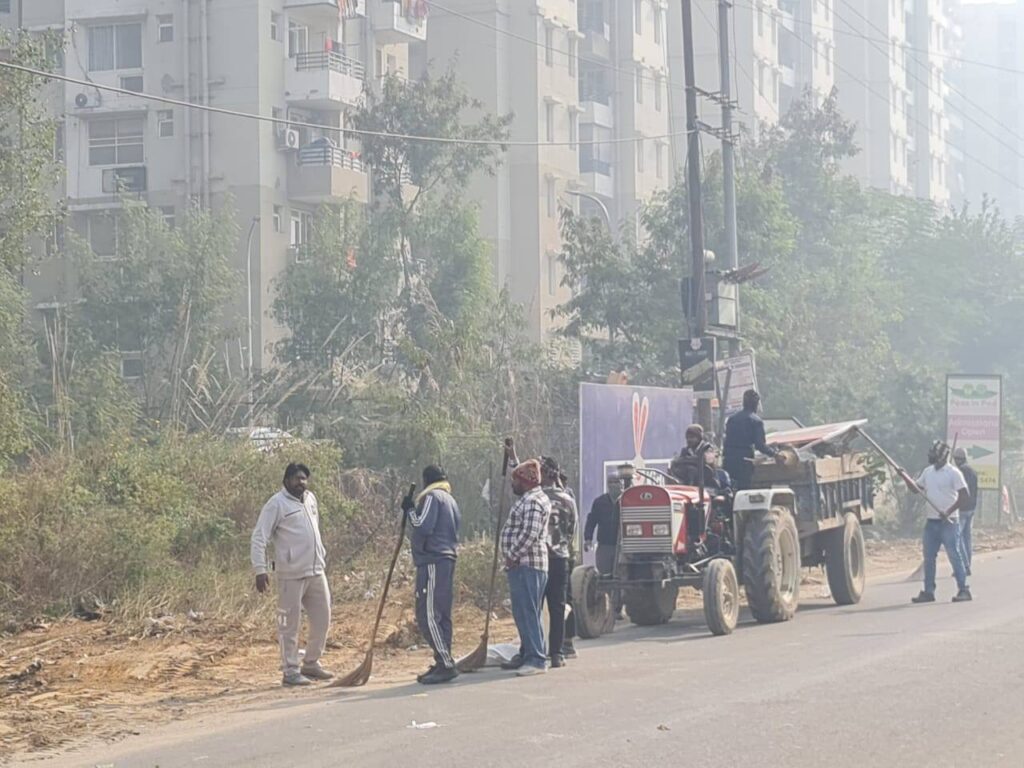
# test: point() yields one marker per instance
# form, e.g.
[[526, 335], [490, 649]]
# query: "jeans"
[[966, 547], [940, 533], [526, 589]]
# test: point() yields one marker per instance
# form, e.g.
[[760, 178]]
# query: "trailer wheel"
[[845, 561], [651, 605], [721, 596], [771, 565], [592, 606]]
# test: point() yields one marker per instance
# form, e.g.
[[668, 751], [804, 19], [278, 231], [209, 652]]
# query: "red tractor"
[[805, 511]]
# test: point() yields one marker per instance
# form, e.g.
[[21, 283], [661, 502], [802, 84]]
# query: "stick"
[[361, 674], [900, 470], [478, 658]]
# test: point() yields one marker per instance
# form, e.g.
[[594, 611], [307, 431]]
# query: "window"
[[638, 17], [298, 39], [816, 64], [164, 29], [133, 83], [639, 85], [59, 140], [657, 26], [5, 6], [115, 46], [775, 87], [277, 218], [552, 273], [640, 155], [103, 235], [131, 365], [828, 59], [168, 215], [275, 26], [657, 94], [659, 160], [573, 129], [549, 196], [165, 123], [549, 46], [828, 9], [549, 121], [760, 78], [760, 21], [775, 29], [572, 56], [117, 141]]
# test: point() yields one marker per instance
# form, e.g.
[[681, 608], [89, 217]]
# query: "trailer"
[[805, 509]]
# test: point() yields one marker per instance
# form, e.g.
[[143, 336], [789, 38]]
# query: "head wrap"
[[528, 473]]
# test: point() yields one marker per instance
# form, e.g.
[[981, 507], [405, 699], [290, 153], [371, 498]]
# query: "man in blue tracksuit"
[[434, 534]]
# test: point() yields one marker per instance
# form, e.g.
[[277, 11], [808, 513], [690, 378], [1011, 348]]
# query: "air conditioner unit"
[[85, 100], [127, 179], [288, 139]]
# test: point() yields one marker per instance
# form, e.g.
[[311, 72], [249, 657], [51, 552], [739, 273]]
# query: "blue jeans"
[[966, 547], [939, 533], [526, 589]]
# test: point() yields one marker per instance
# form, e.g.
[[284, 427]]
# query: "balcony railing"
[[332, 156], [332, 60], [595, 94], [595, 165]]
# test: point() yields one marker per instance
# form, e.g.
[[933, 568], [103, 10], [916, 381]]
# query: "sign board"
[[974, 407], [741, 376], [641, 425], [697, 364]]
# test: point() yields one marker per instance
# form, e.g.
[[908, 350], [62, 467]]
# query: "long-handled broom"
[[361, 674], [478, 658]]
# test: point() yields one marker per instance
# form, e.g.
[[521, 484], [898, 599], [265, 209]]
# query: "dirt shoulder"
[[69, 681]]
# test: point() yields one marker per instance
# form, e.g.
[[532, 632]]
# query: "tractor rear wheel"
[[592, 606], [844, 561], [771, 565], [652, 604], [721, 596]]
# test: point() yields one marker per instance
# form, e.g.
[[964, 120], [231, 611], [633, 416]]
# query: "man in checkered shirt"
[[524, 545]]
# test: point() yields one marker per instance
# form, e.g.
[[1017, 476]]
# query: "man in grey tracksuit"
[[290, 522], [434, 518]]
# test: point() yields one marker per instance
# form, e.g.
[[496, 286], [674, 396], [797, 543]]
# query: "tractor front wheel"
[[721, 596], [591, 605]]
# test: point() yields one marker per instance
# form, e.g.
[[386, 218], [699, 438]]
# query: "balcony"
[[596, 110], [327, 174], [315, 11], [399, 22], [596, 42], [596, 175], [324, 80]]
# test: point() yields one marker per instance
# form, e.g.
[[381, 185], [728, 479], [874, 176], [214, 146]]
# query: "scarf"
[[443, 485]]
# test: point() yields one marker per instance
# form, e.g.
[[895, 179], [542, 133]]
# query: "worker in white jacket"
[[290, 522]]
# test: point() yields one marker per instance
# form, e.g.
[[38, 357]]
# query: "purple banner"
[[641, 425]]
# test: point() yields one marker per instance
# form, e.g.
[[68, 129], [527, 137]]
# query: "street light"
[[600, 204]]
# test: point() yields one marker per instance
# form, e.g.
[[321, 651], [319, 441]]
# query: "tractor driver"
[[684, 466]]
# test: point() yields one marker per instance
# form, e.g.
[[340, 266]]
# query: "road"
[[883, 683]]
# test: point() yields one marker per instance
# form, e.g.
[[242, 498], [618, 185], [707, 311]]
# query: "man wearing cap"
[[967, 511], [744, 434], [684, 467], [524, 545], [434, 518]]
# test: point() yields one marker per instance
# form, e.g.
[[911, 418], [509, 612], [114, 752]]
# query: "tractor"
[[803, 510]]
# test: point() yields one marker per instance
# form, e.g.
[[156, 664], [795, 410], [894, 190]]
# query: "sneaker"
[[569, 651], [963, 596], [296, 679], [316, 672], [530, 671], [924, 597], [440, 675], [557, 661], [421, 675], [514, 663]]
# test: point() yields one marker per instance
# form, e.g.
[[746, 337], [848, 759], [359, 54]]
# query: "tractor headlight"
[[634, 530], [661, 529]]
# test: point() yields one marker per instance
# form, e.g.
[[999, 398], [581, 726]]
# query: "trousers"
[[434, 591], [966, 543], [526, 589], [294, 595], [940, 534], [556, 594]]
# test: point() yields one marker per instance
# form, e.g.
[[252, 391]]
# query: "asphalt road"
[[883, 683]]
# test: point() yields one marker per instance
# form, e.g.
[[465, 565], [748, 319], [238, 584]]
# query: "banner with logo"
[[641, 425], [974, 407]]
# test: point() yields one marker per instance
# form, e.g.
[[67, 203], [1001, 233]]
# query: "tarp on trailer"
[[824, 433]]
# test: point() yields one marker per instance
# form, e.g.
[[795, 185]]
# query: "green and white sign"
[[974, 407]]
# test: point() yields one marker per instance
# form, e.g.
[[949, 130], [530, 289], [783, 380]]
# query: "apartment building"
[[303, 60], [807, 49], [587, 82], [991, 161]]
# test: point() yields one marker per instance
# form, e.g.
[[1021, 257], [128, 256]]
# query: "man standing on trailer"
[[744, 434]]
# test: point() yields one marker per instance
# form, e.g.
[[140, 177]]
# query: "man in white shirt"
[[290, 522], [945, 492]]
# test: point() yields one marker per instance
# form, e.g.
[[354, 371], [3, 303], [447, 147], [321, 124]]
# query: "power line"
[[296, 123]]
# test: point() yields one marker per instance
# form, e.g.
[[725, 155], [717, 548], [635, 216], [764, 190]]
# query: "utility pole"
[[698, 316], [728, 158]]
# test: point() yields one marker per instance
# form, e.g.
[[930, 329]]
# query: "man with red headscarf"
[[524, 545]]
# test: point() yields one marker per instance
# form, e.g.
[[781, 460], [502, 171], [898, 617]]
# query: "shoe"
[[514, 663], [963, 596], [530, 671], [557, 661], [316, 672], [569, 652], [620, 616], [295, 679], [421, 675], [968, 570], [440, 675], [924, 597]]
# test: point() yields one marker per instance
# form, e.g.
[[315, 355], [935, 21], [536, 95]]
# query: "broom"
[[478, 658], [361, 674]]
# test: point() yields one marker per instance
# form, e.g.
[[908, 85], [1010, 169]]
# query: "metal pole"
[[248, 293], [728, 159], [698, 319], [600, 204]]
